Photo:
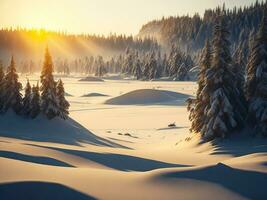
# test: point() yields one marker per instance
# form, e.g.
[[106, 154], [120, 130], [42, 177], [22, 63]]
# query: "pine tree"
[[152, 67], [240, 103], [138, 71], [62, 102], [11, 89], [35, 108], [2, 81], [26, 101], [197, 110], [256, 83], [175, 63], [146, 70], [165, 66], [220, 118], [49, 104]]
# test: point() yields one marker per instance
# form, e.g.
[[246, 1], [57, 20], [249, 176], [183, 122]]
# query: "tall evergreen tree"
[[62, 102], [49, 104], [35, 102], [11, 90], [26, 101], [256, 83], [138, 70], [152, 66], [220, 118], [2, 81], [197, 110]]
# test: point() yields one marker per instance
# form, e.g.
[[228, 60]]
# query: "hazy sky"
[[99, 16]]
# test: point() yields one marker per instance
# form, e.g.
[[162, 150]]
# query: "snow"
[[92, 79], [94, 95], [85, 157], [146, 96]]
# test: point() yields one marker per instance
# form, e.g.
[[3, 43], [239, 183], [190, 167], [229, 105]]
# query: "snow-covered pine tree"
[[62, 102], [197, 110], [146, 70], [165, 65], [11, 89], [256, 83], [159, 61], [35, 108], [100, 68], [152, 66], [240, 103], [49, 104], [182, 73], [220, 118], [138, 70], [129, 62], [175, 63], [26, 101], [2, 81]]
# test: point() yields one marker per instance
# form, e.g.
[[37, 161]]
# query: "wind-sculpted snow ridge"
[[94, 95], [245, 184], [40, 190], [91, 79], [147, 96], [43, 130]]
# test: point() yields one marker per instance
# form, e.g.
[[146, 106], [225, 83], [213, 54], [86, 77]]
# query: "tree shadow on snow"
[[249, 184], [34, 159], [41, 191], [239, 145], [117, 161], [56, 130]]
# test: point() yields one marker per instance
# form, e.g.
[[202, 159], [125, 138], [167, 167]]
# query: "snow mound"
[[146, 96], [94, 95], [68, 95], [56, 130], [91, 79]]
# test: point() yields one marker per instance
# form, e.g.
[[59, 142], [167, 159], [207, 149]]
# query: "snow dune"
[[43, 130], [94, 95], [41, 159], [41, 191], [91, 79], [146, 96]]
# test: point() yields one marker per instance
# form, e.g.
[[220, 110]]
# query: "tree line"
[[140, 64], [27, 42], [191, 32], [230, 96], [48, 99]]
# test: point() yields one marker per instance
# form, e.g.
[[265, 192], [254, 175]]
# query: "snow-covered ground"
[[118, 146]]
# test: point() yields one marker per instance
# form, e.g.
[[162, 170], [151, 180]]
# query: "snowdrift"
[[94, 95], [43, 130], [92, 79], [146, 96], [68, 95]]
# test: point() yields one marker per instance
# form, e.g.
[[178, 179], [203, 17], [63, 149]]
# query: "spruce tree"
[[220, 118], [26, 101], [152, 67], [197, 110], [35, 108], [2, 81], [49, 104], [165, 66], [256, 83], [62, 102], [146, 70], [12, 97], [138, 71], [239, 103]]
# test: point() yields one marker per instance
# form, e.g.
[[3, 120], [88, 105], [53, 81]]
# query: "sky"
[[99, 16]]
